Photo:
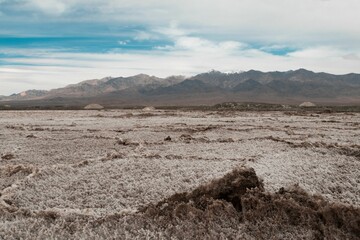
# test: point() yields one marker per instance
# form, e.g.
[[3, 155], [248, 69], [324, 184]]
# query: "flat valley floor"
[[112, 174]]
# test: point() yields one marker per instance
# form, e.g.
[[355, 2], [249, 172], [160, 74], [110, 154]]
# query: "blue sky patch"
[[56, 42], [79, 44]]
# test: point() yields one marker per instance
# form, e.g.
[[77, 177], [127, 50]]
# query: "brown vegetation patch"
[[152, 156], [39, 129], [187, 138], [239, 199], [10, 173], [31, 136], [21, 128], [11, 170], [294, 207], [352, 150], [123, 130], [93, 130], [7, 156], [172, 157], [203, 128], [83, 163], [145, 115], [229, 188], [113, 155], [192, 129], [225, 140], [97, 137]]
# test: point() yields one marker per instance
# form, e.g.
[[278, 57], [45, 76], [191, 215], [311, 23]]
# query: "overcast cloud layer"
[[51, 43]]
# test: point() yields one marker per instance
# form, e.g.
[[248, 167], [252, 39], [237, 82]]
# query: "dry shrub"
[[202, 128], [21, 128], [145, 115], [330, 121], [225, 140], [187, 138], [295, 113], [168, 138], [14, 169], [152, 156], [7, 156], [92, 130], [127, 115], [172, 157], [83, 163], [203, 140], [48, 214], [31, 136], [98, 115], [39, 129], [113, 155]]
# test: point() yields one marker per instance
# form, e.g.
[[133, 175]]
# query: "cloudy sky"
[[46, 44]]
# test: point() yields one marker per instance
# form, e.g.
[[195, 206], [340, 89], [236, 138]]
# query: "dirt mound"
[[239, 200], [148, 109], [307, 104], [93, 106], [230, 188]]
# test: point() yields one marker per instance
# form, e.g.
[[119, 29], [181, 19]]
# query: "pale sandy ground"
[[98, 163]]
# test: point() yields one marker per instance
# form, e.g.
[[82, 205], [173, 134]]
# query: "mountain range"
[[291, 87]]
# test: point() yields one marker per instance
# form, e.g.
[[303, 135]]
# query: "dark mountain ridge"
[[207, 88]]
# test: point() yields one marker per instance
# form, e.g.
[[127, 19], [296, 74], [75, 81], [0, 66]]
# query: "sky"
[[47, 44]]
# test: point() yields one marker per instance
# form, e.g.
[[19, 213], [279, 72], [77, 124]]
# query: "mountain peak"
[[142, 75], [252, 85], [303, 70]]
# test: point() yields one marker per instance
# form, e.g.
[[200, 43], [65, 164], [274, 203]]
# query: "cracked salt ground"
[[70, 169], [334, 176], [106, 187]]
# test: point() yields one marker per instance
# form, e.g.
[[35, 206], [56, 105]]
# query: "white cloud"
[[352, 57], [183, 41], [51, 7], [197, 44], [143, 35], [172, 31], [317, 53], [123, 43], [55, 69], [272, 22]]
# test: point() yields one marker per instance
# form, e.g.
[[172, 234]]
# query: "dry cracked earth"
[[133, 174]]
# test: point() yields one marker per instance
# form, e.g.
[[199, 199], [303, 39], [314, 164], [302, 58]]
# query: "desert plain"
[[176, 174]]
